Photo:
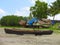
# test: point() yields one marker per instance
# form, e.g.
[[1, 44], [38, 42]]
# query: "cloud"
[[50, 18], [26, 8], [2, 11], [57, 17], [32, 1], [47, 1], [22, 12]]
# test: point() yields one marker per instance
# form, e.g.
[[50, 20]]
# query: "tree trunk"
[[53, 17]]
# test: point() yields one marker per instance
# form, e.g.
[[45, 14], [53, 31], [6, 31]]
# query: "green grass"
[[52, 27], [9, 27]]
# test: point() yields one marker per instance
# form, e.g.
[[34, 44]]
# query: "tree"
[[55, 8], [10, 20], [39, 10]]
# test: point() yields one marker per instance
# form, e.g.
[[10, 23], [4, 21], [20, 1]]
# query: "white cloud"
[[2, 11], [51, 18], [57, 17], [19, 13], [26, 8], [32, 1], [47, 1], [22, 12]]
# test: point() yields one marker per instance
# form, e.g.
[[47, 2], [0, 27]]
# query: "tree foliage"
[[54, 8], [10, 20], [39, 10]]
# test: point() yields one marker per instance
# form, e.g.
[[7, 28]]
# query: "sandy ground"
[[27, 39]]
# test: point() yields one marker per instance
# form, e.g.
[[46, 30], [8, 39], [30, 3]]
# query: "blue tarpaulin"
[[30, 22]]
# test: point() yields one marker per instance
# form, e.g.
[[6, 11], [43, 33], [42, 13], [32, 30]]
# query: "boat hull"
[[21, 32]]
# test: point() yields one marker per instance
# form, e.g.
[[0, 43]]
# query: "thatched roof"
[[22, 22]]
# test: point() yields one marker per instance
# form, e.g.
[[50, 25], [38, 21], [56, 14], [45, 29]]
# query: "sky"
[[18, 7]]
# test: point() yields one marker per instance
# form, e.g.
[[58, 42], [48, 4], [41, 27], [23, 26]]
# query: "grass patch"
[[9, 27]]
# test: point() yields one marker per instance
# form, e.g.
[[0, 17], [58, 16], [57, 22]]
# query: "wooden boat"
[[21, 32]]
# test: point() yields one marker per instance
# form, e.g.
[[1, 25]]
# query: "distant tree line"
[[11, 20]]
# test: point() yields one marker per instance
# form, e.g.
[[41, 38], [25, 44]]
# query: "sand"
[[28, 39]]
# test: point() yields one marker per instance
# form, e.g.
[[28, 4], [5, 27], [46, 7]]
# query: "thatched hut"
[[22, 23]]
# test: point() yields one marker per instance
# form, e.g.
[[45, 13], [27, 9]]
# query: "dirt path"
[[12, 39]]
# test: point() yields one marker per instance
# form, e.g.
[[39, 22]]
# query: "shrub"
[[10, 20]]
